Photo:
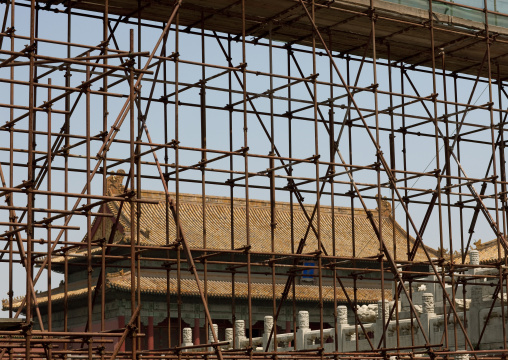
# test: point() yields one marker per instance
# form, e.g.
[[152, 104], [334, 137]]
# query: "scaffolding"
[[330, 103]]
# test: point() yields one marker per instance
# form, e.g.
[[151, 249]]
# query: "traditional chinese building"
[[159, 286]]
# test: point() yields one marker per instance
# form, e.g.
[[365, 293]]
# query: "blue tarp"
[[308, 274]]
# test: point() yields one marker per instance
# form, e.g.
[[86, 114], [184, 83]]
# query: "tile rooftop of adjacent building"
[[121, 281], [489, 251], [157, 285]]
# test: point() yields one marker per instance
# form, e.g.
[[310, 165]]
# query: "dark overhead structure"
[[233, 179]]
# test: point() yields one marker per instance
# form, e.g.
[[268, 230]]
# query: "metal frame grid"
[[335, 127]]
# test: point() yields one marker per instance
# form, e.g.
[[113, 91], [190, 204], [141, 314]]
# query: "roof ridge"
[[115, 185]]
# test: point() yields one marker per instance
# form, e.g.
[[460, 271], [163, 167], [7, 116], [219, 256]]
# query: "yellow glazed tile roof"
[[489, 251], [157, 286], [57, 295], [219, 289], [218, 225]]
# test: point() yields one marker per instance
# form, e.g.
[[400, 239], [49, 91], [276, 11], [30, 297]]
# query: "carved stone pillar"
[[342, 314], [474, 259], [187, 336], [303, 327], [428, 303], [341, 323], [303, 319], [240, 332], [229, 337], [268, 324], [267, 330], [210, 334]]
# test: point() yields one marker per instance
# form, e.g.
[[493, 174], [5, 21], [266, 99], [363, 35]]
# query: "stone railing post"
[[187, 337], [303, 328], [342, 315], [303, 319], [229, 337], [210, 335], [240, 332], [428, 303], [341, 323], [266, 332], [474, 259], [428, 312]]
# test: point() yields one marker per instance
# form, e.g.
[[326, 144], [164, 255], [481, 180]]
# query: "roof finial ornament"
[[478, 244], [384, 206], [115, 181]]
